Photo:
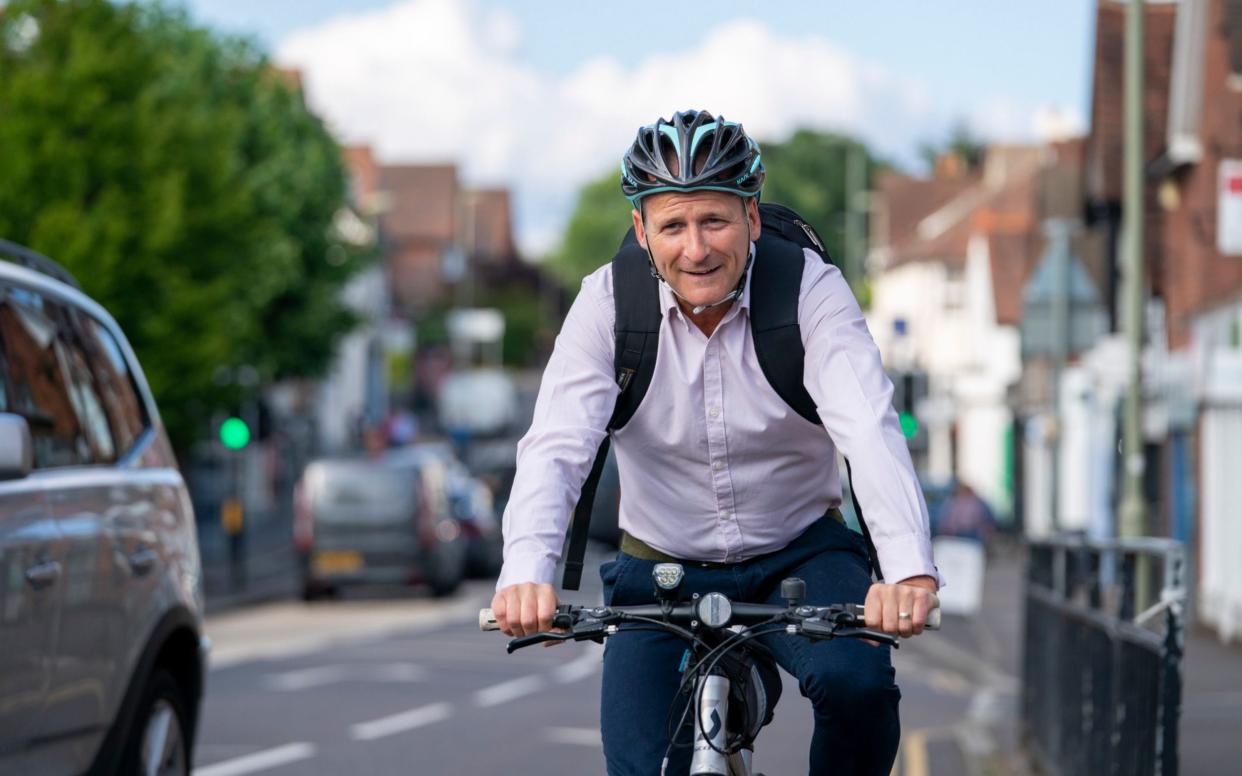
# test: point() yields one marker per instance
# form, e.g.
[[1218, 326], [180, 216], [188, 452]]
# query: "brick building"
[[1192, 104]]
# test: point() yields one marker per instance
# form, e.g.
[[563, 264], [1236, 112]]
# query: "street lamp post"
[[1133, 510]]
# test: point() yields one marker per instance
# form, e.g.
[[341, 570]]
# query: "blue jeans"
[[850, 683]]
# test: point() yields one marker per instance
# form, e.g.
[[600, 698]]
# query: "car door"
[[32, 550], [104, 508]]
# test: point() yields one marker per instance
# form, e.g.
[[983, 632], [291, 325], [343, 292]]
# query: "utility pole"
[[1133, 510], [855, 211]]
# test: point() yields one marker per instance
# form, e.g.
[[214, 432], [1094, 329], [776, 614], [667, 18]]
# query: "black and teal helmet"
[[694, 151]]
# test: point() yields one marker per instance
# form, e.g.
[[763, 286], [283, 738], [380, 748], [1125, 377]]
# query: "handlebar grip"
[[932, 623], [487, 620]]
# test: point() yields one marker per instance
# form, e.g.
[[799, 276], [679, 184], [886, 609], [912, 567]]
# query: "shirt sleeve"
[[854, 398], [576, 398]]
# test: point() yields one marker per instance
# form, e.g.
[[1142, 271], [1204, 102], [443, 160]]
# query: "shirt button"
[[717, 465], [725, 515], [714, 412]]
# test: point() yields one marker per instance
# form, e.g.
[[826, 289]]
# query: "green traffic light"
[[234, 433], [909, 424]]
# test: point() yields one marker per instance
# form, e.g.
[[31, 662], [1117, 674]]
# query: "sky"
[[542, 96]]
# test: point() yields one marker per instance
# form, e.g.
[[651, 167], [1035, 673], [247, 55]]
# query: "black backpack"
[[776, 279]]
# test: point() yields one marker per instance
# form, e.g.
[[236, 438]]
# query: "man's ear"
[[639, 231]]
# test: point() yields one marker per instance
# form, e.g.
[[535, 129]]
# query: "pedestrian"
[[717, 471], [965, 515]]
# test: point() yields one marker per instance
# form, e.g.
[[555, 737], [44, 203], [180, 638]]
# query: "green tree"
[[183, 183], [807, 172], [962, 142]]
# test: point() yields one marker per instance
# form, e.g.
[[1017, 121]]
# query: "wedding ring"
[[903, 615]]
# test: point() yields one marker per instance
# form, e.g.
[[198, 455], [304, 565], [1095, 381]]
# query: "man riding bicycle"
[[717, 471]]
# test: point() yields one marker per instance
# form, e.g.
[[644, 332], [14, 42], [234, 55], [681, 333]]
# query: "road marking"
[[318, 676], [507, 691], [259, 761], [580, 668], [914, 753], [574, 736], [946, 681], [399, 723]]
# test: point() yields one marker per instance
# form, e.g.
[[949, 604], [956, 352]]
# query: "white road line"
[[318, 676], [259, 761], [580, 668], [574, 736], [399, 723], [507, 691]]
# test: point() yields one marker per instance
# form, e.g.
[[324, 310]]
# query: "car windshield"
[[362, 486]]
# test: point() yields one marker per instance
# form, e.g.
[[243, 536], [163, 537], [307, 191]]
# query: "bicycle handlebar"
[[487, 620], [592, 623]]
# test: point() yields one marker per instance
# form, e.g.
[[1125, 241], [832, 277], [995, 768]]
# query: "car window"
[[353, 486], [44, 383], [113, 383]]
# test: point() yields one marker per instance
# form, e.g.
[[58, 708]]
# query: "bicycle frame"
[[712, 715]]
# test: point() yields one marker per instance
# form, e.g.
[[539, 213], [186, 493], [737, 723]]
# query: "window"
[[114, 383], [37, 384]]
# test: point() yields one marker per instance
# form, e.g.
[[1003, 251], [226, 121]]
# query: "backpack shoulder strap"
[[775, 284], [776, 280], [636, 298]]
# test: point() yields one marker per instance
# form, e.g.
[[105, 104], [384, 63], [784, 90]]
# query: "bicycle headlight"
[[668, 578], [714, 610]]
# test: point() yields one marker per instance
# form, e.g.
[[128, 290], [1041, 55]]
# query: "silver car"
[[101, 646], [360, 521]]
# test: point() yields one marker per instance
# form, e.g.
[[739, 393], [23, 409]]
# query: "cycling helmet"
[[691, 152]]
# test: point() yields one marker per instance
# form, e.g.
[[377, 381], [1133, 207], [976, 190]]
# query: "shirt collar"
[[669, 306]]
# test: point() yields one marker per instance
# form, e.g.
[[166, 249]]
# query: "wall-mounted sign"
[[1229, 208]]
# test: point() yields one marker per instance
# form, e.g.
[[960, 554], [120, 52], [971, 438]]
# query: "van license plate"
[[337, 562]]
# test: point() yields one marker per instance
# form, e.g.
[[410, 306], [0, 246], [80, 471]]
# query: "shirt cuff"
[[902, 557], [520, 568]]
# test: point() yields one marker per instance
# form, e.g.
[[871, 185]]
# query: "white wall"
[[1220, 530], [953, 335], [343, 394]]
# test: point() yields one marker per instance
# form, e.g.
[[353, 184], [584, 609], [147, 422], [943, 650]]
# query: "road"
[[398, 683]]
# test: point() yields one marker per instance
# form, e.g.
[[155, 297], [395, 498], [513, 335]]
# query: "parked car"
[[377, 521], [102, 654], [474, 507], [471, 502]]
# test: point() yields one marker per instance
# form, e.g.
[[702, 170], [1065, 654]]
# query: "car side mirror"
[[16, 453]]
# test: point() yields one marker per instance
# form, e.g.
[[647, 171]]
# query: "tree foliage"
[[807, 172], [184, 183], [961, 142]]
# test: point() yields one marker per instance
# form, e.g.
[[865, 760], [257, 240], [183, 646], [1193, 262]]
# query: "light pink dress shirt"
[[714, 465]]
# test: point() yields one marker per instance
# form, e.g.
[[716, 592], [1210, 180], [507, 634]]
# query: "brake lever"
[[830, 630], [535, 638], [864, 633], [592, 630]]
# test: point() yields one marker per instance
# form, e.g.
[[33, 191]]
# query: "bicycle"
[[733, 680]]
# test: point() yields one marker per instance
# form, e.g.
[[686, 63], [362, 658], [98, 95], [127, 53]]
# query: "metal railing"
[[1102, 662]]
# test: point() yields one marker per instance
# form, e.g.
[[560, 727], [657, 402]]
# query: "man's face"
[[698, 240]]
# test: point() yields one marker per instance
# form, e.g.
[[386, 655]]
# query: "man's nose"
[[696, 248]]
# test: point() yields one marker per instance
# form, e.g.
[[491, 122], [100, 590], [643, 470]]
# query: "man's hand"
[[521, 610], [901, 609]]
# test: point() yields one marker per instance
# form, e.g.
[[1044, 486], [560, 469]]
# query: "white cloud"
[[443, 80]]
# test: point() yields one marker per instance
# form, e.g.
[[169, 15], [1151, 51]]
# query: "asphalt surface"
[[395, 682]]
